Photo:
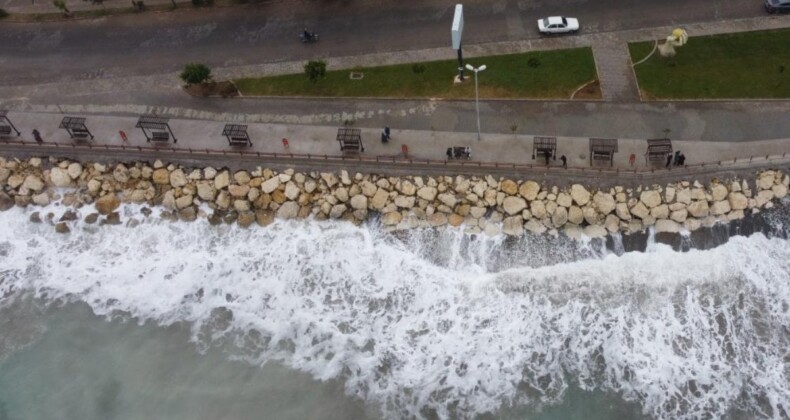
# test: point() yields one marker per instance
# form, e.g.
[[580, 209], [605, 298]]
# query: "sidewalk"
[[320, 140]]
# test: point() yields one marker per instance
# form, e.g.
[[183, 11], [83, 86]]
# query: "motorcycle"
[[307, 37]]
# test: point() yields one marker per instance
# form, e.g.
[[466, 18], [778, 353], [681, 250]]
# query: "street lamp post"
[[477, 95]]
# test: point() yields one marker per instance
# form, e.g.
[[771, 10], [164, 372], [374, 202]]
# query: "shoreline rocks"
[[475, 204]]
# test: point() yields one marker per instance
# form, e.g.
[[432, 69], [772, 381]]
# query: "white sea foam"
[[428, 324]]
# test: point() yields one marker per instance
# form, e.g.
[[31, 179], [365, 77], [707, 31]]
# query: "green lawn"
[[541, 74], [742, 65]]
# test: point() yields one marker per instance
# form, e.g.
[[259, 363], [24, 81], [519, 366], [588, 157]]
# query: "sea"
[[327, 320]]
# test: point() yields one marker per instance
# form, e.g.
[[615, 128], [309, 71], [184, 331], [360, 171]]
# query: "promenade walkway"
[[199, 136]]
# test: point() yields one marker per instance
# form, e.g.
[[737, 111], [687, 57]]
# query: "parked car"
[[561, 25], [776, 6]]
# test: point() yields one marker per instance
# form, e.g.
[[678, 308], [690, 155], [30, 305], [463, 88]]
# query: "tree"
[[195, 73], [60, 4], [315, 69]]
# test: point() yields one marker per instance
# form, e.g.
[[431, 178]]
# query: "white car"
[[557, 25]]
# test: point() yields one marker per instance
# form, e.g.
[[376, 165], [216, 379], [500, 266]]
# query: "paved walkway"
[[320, 140], [615, 74]]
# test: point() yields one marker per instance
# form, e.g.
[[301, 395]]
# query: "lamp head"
[[469, 67], [481, 68]]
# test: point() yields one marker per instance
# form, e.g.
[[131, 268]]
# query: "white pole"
[[477, 95], [477, 105]]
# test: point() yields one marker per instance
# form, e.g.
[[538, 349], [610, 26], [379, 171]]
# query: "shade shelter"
[[156, 129], [657, 150], [76, 128], [350, 140], [603, 150], [544, 147], [6, 125], [237, 135]]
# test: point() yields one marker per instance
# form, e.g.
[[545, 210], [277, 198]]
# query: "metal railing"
[[398, 160]]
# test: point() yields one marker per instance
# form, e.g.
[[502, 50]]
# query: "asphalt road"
[[152, 43]]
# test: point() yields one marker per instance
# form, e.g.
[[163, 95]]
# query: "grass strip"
[[731, 66], [539, 74]]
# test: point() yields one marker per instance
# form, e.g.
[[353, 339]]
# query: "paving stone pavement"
[[615, 74]]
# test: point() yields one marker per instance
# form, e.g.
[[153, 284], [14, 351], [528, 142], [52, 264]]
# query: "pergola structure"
[[156, 129], [6, 125], [657, 150], [350, 140], [76, 128], [544, 147], [603, 150], [237, 135]]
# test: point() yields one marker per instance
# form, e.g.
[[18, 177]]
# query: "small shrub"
[[418, 68], [533, 62], [315, 69], [3, 13], [61, 5], [781, 68], [195, 73]]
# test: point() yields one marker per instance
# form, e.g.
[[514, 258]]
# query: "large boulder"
[[679, 216], [288, 210], [698, 208], [237, 191], [529, 190], [407, 188], [622, 211], [426, 193], [513, 205], [738, 201], [6, 202], [560, 217], [575, 215], [206, 191], [59, 177], [640, 210], [359, 202], [33, 183], [660, 212], [242, 177], [580, 194], [779, 190], [337, 211], [74, 170], [508, 187], [341, 194], [161, 176], [184, 201], [667, 226], [391, 218], [720, 207], [404, 201], [380, 199], [604, 202], [595, 231], [268, 186], [448, 199], [538, 209], [564, 200], [107, 204], [650, 198], [513, 226], [766, 180], [683, 196], [718, 192]]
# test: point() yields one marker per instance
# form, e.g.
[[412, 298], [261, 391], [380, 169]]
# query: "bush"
[[315, 69], [195, 73], [3, 13], [533, 62], [418, 68]]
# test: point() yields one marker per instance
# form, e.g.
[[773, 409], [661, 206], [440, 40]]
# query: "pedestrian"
[[548, 155], [681, 159], [387, 132], [669, 160], [564, 161], [384, 138], [37, 136], [676, 161]]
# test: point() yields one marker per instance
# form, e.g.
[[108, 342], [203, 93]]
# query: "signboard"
[[458, 26]]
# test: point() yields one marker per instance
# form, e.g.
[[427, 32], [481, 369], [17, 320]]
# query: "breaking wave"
[[441, 323]]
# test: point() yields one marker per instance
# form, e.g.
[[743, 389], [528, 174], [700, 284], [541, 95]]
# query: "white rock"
[[669, 194], [535, 226], [41, 199], [177, 178], [718, 192], [564, 200], [242, 177], [329, 178], [292, 191], [679, 215], [575, 215], [209, 172], [537, 208], [720, 207], [698, 208], [660, 212], [622, 212], [448, 199], [359, 202], [595, 231], [241, 205], [337, 210], [59, 177], [74, 170], [580, 194], [650, 198], [513, 205], [683, 196], [604, 202], [667, 226], [206, 191], [288, 210], [779, 190], [640, 210], [222, 180], [529, 190], [33, 183], [560, 217], [426, 193], [268, 186], [738, 201], [404, 201], [379, 200]]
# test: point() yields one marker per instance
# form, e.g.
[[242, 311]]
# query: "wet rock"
[[107, 204], [437, 219], [667, 226], [391, 219], [161, 176], [22, 200], [187, 214], [264, 217], [337, 211], [113, 218], [455, 220], [68, 216], [184, 201], [35, 217], [91, 218], [41, 199], [594, 231], [33, 183], [534, 226], [560, 217], [59, 177], [215, 219], [62, 228], [289, 210], [246, 218], [779, 190]]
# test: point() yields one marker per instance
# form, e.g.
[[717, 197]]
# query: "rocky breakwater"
[[94, 192]]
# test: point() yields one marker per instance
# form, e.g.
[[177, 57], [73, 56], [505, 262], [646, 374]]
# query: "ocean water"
[[308, 319]]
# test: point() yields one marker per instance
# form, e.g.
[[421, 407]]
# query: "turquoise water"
[[81, 366]]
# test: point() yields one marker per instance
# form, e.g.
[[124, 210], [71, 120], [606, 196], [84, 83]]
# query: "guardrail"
[[401, 160]]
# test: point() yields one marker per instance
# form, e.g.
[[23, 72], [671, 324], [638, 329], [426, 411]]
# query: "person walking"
[[37, 136], [676, 161], [564, 161], [669, 160]]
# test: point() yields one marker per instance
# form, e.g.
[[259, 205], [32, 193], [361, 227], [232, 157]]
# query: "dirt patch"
[[591, 90], [223, 89]]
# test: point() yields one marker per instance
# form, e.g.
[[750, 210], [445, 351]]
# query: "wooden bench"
[[658, 149], [240, 141], [79, 134], [160, 136], [5, 130]]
